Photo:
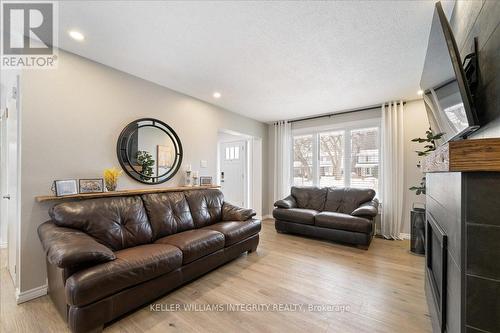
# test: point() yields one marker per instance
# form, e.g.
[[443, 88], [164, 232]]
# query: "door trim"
[[254, 155]]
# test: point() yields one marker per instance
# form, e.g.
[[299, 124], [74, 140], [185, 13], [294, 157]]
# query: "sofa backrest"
[[345, 199], [118, 222], [168, 213], [122, 222], [310, 197], [205, 206]]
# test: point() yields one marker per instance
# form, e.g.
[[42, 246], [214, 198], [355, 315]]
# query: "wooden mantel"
[[43, 198], [465, 156]]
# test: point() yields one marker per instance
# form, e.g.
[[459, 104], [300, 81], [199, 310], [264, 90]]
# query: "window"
[[322, 158], [232, 153], [365, 158], [331, 159], [303, 160]]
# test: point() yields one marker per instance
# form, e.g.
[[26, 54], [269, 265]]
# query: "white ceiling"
[[270, 60]]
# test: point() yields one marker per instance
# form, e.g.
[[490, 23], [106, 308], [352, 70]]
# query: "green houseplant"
[[146, 161], [430, 145]]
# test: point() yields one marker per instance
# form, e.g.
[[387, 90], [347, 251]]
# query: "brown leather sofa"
[[108, 256], [339, 214]]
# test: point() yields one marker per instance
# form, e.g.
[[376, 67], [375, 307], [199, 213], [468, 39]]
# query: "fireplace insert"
[[436, 263]]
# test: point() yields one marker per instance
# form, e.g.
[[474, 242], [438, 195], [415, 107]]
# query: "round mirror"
[[149, 151]]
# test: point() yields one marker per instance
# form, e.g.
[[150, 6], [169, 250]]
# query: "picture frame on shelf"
[[206, 181], [65, 187], [94, 185]]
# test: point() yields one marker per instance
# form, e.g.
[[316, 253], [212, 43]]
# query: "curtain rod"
[[338, 113]]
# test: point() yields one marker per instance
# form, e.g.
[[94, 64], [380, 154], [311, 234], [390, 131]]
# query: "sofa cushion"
[[205, 206], [236, 231], [168, 213], [296, 215], [310, 197], [195, 244], [118, 223], [132, 266], [346, 200], [345, 222]]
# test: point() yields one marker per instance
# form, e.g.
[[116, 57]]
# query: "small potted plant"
[[111, 176], [146, 162], [417, 214]]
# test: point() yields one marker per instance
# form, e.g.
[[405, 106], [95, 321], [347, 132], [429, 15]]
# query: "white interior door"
[[233, 171], [4, 204], [9, 177]]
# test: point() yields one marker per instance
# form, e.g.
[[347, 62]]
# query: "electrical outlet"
[[203, 164]]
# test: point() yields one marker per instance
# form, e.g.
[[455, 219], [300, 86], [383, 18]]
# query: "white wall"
[[226, 137], [71, 119], [415, 123]]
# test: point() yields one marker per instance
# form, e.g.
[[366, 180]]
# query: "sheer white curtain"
[[282, 160], [392, 169]]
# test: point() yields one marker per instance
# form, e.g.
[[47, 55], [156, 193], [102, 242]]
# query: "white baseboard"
[[28, 295], [266, 217], [3, 245], [404, 236]]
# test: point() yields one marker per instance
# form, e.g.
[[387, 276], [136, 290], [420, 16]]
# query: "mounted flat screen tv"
[[446, 94]]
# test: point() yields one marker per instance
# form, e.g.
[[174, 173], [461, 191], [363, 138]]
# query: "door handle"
[[6, 197]]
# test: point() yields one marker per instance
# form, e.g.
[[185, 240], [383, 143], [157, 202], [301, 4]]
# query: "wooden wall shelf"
[[465, 156], [44, 198]]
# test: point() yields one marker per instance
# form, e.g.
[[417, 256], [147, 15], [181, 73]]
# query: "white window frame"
[[347, 128]]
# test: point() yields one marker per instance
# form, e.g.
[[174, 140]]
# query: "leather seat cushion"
[[236, 231], [296, 215], [132, 266], [195, 244], [345, 222]]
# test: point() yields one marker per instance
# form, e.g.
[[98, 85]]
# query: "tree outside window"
[[330, 161]]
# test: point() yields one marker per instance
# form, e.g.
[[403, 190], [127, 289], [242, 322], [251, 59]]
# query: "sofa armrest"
[[234, 213], [66, 247], [288, 202], [369, 209]]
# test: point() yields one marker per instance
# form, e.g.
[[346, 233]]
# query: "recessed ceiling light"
[[420, 92], [217, 94], [76, 35]]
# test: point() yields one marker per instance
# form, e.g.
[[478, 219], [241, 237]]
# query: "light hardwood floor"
[[383, 288]]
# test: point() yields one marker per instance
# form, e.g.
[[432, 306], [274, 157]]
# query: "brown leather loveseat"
[[108, 256], [339, 214]]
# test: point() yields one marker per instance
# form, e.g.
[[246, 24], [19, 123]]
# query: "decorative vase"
[[111, 176], [111, 187], [195, 178], [188, 178], [417, 219]]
